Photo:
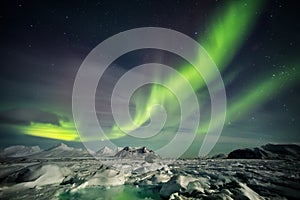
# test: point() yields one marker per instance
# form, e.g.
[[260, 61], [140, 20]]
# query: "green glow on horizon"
[[66, 131]]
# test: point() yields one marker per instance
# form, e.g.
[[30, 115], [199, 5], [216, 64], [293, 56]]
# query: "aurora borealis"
[[223, 39], [253, 43]]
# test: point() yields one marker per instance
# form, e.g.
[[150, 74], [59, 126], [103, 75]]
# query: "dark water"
[[114, 193]]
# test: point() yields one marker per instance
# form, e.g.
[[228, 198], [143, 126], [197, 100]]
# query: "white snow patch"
[[50, 174], [107, 177]]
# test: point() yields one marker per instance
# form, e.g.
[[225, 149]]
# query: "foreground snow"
[[64, 172], [168, 179]]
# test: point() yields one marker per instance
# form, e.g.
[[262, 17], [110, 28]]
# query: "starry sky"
[[254, 44]]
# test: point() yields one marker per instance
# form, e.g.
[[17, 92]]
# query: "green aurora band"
[[223, 39], [258, 93], [227, 32]]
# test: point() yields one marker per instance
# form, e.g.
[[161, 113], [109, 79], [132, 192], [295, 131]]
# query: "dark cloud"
[[24, 116]]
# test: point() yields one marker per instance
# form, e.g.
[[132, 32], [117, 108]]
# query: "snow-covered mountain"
[[19, 151], [105, 151], [62, 150], [125, 152], [135, 152]]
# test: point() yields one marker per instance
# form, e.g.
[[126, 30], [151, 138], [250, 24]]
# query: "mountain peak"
[[134, 152], [61, 146], [105, 151]]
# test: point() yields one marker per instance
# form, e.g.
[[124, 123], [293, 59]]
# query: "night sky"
[[255, 45]]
